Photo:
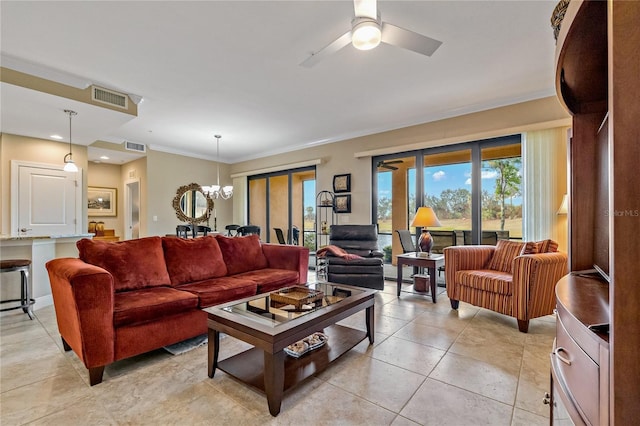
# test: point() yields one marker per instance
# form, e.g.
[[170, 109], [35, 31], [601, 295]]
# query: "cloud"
[[486, 174], [439, 175]]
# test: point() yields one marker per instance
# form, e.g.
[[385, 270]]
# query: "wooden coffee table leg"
[[274, 380], [370, 321], [214, 349]]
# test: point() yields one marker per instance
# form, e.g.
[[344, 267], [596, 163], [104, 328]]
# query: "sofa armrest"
[[377, 253], [462, 258], [294, 258], [534, 280], [83, 297]]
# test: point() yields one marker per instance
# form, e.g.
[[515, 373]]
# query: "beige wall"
[[34, 150], [160, 174], [354, 155], [167, 172], [108, 176], [136, 171]]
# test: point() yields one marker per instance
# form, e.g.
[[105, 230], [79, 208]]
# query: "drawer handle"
[[560, 357]]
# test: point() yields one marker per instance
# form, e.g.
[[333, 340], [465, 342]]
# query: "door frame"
[[128, 208], [14, 201]]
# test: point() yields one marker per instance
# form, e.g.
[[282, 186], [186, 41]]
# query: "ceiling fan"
[[368, 30], [387, 164]]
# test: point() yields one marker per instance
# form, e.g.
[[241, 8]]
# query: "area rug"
[[186, 345]]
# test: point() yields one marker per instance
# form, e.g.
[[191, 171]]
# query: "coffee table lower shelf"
[[248, 366]]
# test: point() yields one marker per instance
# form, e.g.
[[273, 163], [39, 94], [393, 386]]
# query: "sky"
[[439, 178]]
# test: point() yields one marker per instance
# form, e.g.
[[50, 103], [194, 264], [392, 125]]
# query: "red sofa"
[[122, 299]]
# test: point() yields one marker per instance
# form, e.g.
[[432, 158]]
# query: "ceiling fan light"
[[366, 34]]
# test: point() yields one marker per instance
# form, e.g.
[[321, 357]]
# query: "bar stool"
[[22, 266]]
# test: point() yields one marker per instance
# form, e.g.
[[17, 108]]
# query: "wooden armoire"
[[595, 371]]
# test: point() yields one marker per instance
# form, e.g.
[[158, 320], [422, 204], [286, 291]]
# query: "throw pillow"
[[242, 254], [193, 259], [504, 254], [134, 264], [547, 246], [530, 247]]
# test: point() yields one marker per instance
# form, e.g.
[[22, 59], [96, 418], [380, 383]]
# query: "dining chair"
[[406, 241], [201, 229], [280, 235], [184, 231], [232, 230], [249, 230]]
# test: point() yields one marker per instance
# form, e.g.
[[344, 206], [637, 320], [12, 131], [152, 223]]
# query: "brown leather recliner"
[[361, 240]]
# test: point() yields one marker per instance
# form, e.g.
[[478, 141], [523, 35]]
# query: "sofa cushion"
[[530, 248], [505, 252], [193, 259], [220, 290], [271, 279], [242, 254], [547, 246], [486, 280], [134, 264], [149, 304]]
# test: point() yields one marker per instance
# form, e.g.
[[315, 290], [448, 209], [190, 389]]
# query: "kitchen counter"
[[39, 249]]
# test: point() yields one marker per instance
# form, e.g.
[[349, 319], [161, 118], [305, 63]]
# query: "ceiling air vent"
[[132, 146], [109, 97]]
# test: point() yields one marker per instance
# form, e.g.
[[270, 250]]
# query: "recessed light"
[[104, 157], [58, 137]]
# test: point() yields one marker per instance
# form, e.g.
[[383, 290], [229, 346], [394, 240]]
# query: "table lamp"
[[425, 217]]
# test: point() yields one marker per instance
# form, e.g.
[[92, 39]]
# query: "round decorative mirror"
[[191, 204]]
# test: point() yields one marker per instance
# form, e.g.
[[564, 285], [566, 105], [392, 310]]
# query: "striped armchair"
[[511, 278]]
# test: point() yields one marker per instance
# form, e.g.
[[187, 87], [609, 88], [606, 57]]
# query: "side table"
[[431, 263]]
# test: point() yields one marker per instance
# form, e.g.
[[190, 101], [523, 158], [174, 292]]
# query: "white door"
[[48, 200], [132, 209]]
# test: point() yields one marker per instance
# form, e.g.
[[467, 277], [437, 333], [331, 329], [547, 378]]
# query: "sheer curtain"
[[545, 182]]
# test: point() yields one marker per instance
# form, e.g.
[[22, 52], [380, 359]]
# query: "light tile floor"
[[430, 365]]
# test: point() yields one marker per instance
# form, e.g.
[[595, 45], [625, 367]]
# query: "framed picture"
[[342, 204], [342, 183], [101, 201]]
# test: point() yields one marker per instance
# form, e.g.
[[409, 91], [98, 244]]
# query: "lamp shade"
[[564, 206], [425, 217]]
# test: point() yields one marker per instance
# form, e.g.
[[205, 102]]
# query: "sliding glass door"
[[280, 201], [475, 189], [502, 192], [447, 188]]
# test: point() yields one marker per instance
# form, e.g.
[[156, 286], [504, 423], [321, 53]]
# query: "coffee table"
[[431, 263], [270, 329]]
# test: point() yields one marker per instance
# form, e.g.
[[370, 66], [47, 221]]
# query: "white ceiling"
[[231, 68]]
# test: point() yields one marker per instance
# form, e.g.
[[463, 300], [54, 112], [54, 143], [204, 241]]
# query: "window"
[[282, 200], [475, 188]]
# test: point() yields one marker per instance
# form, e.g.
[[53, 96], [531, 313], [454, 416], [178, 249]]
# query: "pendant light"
[[69, 165], [216, 191]]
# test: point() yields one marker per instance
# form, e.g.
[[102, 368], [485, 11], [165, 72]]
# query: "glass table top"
[[284, 305]]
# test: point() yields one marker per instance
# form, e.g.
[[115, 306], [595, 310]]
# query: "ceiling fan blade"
[[365, 8], [407, 39], [394, 161], [328, 50]]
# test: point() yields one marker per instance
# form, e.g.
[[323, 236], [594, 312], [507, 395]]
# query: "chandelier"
[[69, 165], [216, 191]]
